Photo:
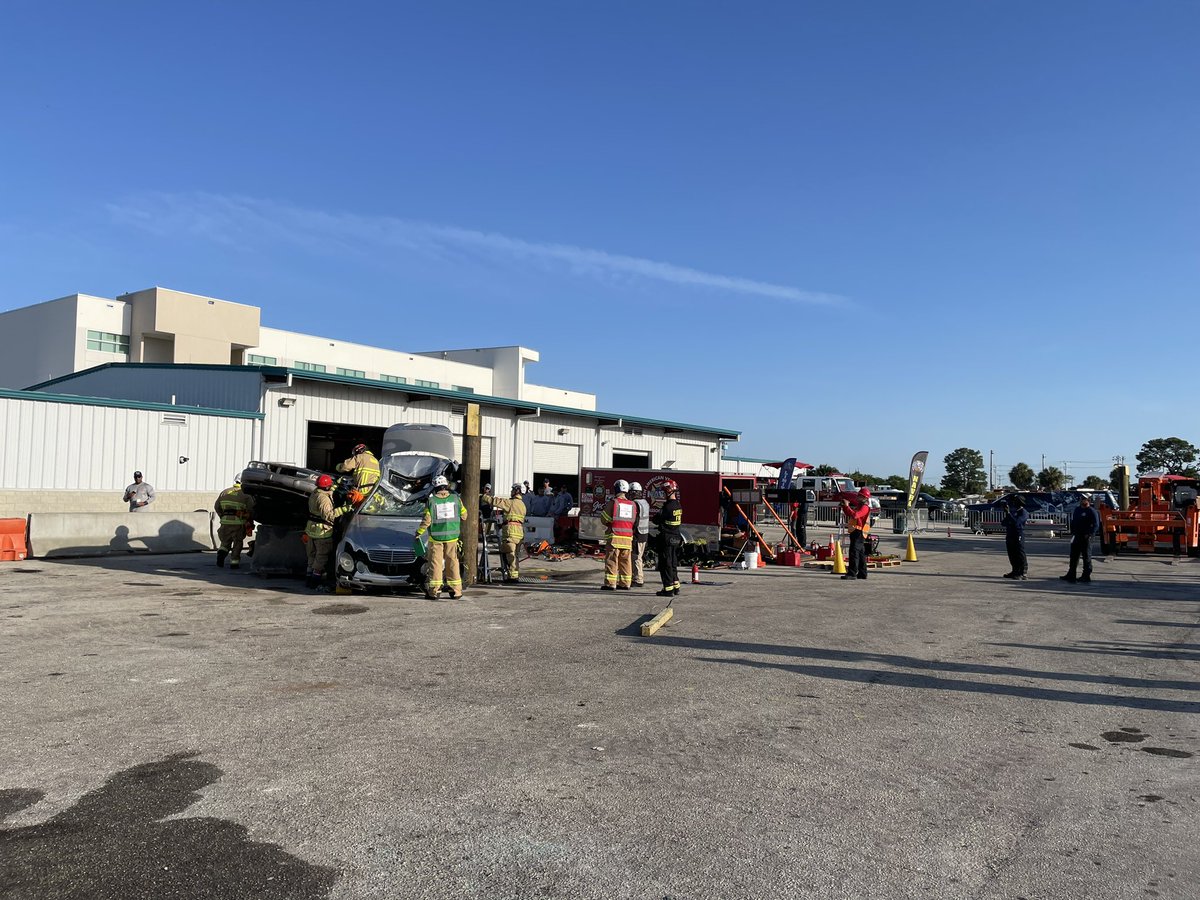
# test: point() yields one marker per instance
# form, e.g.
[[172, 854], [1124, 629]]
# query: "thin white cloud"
[[239, 221]]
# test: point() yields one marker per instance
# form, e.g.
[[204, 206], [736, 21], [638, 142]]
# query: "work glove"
[[356, 496]]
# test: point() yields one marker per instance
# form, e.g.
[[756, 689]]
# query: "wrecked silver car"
[[376, 549]]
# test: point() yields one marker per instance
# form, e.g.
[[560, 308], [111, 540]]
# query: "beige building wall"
[[189, 328]]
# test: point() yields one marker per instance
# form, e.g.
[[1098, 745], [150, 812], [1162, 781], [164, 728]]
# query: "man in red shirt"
[[857, 510]]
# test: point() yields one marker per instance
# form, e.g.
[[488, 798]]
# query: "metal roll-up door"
[[485, 451], [556, 459], [691, 457]]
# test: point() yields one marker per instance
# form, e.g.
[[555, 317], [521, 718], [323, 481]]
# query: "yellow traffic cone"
[[911, 554], [839, 564]]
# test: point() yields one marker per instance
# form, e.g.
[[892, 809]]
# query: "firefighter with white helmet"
[[444, 515], [641, 533], [618, 518], [514, 529]]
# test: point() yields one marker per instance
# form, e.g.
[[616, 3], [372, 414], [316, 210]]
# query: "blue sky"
[[851, 231]]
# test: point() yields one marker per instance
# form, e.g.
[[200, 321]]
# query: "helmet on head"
[[517, 489], [622, 486], [441, 482], [670, 487], [866, 492], [237, 479], [324, 482], [635, 486], [357, 449]]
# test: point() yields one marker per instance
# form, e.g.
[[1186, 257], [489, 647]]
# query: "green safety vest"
[[444, 517]]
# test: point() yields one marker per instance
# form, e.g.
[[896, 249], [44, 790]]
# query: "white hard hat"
[[622, 486], [441, 481], [635, 486], [517, 487]]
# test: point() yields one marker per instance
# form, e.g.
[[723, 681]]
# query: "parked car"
[[1048, 510], [937, 507]]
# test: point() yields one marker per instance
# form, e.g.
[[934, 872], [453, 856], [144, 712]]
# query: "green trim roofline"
[[282, 373], [7, 394]]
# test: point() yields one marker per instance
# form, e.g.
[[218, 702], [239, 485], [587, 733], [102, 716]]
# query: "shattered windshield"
[[386, 500]]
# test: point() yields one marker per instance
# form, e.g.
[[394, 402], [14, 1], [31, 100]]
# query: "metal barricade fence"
[[991, 521]]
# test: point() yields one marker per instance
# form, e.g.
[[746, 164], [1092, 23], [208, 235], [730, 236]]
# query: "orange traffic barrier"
[[12, 540]]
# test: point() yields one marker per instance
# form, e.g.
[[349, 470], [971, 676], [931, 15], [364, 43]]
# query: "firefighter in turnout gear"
[[618, 518], [514, 530], [322, 515], [641, 534], [236, 510], [669, 519], [444, 515], [365, 466]]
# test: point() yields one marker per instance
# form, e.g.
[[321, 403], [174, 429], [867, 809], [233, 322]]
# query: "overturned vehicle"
[[377, 547]]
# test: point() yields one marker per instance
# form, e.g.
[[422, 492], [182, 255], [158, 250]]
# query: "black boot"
[[221, 554]]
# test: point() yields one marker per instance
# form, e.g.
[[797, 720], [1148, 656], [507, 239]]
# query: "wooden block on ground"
[[648, 628]]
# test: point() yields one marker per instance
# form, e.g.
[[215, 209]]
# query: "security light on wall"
[[564, 431], [287, 402], [668, 463]]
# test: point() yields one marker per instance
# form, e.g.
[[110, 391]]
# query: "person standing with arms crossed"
[[444, 515], [1085, 522], [1014, 538], [669, 519]]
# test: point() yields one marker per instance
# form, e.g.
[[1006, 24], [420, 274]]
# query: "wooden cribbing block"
[[648, 628]]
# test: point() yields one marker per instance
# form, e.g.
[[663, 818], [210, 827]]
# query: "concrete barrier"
[[103, 534]]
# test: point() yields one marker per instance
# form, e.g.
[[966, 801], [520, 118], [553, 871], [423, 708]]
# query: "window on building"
[[253, 359], [461, 389], [309, 367], [420, 382], [394, 379], [108, 343], [353, 373]]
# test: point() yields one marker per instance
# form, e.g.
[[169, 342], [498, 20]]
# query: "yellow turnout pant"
[[442, 558]]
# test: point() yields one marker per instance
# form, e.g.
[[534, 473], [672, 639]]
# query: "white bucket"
[[751, 557]]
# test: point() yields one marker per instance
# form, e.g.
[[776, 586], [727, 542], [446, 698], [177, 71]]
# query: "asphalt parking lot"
[[175, 730]]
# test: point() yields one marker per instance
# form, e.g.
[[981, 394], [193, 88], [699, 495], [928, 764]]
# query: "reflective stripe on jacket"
[[234, 506], [514, 516], [322, 514], [618, 518], [365, 468]]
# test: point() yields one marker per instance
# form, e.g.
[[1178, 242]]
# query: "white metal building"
[[60, 337], [190, 427]]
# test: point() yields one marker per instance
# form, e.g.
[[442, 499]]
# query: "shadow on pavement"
[[114, 842], [938, 682]]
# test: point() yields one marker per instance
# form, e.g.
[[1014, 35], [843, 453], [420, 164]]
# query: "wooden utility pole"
[[470, 493]]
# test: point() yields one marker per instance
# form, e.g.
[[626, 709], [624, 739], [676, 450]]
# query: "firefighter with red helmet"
[[618, 518], [318, 533], [669, 519], [365, 466]]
